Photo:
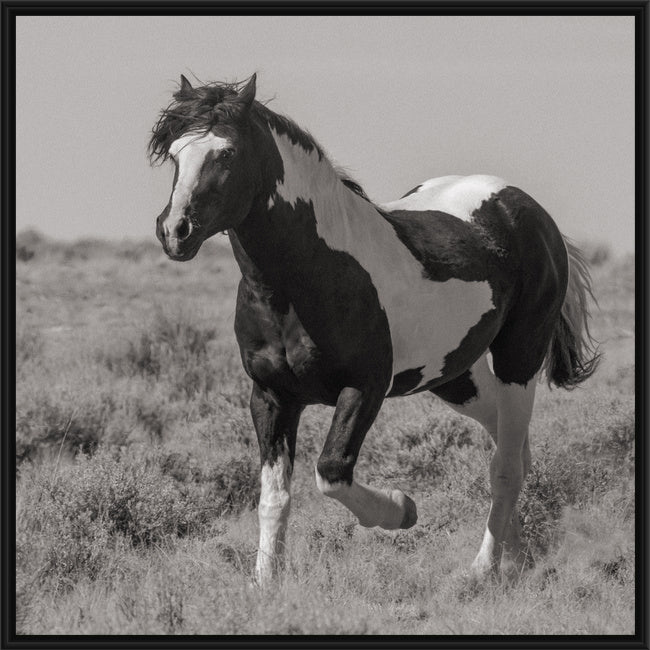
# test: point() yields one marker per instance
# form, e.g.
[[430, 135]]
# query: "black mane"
[[200, 109], [194, 109]]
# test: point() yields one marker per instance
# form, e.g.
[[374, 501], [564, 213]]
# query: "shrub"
[[172, 347], [597, 254], [230, 485], [23, 253], [28, 244], [136, 251], [557, 480], [123, 495], [617, 439], [49, 421], [142, 357], [29, 346], [70, 519], [431, 453]]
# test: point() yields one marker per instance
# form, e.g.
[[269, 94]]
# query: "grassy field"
[[138, 473]]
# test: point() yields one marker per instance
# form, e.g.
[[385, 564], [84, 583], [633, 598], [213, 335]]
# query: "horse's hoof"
[[410, 510]]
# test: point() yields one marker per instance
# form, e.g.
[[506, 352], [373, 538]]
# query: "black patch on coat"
[[457, 391], [448, 247], [276, 424], [310, 326], [413, 191], [285, 126], [475, 342], [519, 348], [405, 381], [308, 319], [356, 410]]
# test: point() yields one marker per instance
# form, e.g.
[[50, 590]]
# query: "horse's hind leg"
[[276, 424], [508, 469], [474, 394], [355, 412]]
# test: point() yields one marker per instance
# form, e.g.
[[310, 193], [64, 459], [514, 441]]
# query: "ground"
[[138, 473]]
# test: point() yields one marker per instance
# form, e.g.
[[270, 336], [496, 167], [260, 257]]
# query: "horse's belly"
[[437, 329]]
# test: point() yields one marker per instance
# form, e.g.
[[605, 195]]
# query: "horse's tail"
[[573, 355]]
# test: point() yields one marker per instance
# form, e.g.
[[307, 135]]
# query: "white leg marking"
[[387, 509], [483, 409], [482, 563], [273, 513], [507, 469], [427, 319]]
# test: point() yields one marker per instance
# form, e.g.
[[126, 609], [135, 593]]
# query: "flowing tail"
[[573, 355]]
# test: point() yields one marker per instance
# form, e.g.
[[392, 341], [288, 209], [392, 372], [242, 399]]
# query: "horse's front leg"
[[355, 413], [276, 423]]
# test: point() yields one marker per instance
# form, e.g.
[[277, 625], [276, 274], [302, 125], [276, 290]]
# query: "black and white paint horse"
[[463, 287]]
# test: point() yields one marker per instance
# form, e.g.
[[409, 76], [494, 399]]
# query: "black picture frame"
[[12, 9]]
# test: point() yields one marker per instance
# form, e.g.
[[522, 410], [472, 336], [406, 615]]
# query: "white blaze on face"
[[427, 319], [459, 196], [189, 152]]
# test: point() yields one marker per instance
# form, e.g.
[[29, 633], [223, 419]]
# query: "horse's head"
[[209, 135]]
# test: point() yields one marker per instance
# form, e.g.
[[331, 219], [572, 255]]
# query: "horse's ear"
[[186, 86], [247, 93]]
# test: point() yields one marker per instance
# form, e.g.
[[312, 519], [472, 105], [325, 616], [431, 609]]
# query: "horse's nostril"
[[183, 229]]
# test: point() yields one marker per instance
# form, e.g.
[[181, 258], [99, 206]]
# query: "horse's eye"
[[226, 154]]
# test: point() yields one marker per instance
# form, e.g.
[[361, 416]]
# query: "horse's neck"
[[310, 203], [306, 174]]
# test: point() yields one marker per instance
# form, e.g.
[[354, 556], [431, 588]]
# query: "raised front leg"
[[276, 424], [355, 413]]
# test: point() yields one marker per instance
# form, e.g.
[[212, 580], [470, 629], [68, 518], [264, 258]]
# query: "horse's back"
[[459, 196]]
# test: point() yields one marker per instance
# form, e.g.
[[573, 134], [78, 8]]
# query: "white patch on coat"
[[459, 196], [189, 151], [427, 319], [372, 506], [273, 514], [483, 406]]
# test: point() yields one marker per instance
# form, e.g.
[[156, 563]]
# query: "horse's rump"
[[509, 241]]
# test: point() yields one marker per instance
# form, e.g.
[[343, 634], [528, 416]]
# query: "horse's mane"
[[194, 109], [202, 108]]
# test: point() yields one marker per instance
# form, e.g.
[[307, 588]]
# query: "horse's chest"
[[278, 352]]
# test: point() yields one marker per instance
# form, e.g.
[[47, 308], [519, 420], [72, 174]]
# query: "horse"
[[463, 287]]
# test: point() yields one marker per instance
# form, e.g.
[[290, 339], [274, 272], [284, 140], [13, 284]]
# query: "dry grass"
[[138, 478]]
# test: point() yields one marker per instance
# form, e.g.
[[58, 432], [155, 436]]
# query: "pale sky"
[[547, 103]]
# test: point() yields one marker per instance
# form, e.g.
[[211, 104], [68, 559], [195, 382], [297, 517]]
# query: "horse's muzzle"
[[180, 251], [177, 241]]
